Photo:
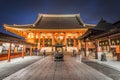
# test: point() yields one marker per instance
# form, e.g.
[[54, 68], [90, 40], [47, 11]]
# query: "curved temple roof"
[[4, 32], [56, 21]]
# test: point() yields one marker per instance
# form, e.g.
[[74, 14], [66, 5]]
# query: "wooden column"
[[119, 46], [109, 44], [79, 44], [69, 41], [9, 52], [78, 41], [52, 43], [74, 42], [38, 46], [96, 43], [31, 51], [52, 40], [34, 34], [65, 42], [23, 51], [43, 44], [85, 48]]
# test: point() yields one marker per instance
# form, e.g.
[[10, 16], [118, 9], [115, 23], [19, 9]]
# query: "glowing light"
[[36, 35], [80, 34], [6, 44], [13, 45], [89, 43], [60, 37], [41, 37], [117, 41], [46, 37], [31, 35], [20, 45]]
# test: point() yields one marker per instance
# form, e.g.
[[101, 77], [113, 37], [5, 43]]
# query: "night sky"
[[26, 11]]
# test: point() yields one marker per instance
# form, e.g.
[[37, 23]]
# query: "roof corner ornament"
[[14, 25], [33, 25], [5, 25], [83, 25]]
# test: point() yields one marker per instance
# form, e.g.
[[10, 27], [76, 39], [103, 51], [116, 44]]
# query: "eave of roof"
[[90, 34], [101, 27], [107, 33], [63, 25], [7, 33]]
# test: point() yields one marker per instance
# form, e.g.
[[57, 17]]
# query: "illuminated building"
[[51, 29]]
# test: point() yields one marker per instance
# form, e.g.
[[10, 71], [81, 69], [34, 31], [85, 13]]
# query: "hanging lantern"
[[31, 35], [106, 43], [113, 43], [118, 41], [100, 43], [103, 43], [36, 36]]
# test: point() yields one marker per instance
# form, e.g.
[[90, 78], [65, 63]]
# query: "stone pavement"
[[111, 63], [48, 69], [8, 68], [110, 68]]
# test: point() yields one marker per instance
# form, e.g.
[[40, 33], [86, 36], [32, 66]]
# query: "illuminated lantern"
[[36, 36], [31, 35]]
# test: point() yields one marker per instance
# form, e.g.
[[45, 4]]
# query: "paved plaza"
[[8, 68], [111, 63], [110, 68], [39, 68], [48, 69]]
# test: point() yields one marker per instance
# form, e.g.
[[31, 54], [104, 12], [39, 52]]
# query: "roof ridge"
[[59, 15]]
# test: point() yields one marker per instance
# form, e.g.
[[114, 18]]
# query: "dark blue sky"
[[26, 11]]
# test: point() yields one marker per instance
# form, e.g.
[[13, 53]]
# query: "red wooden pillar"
[[43, 44], [85, 48], [30, 51], [79, 44], [23, 51], [109, 44], [97, 47], [9, 52], [74, 42], [65, 42], [38, 44]]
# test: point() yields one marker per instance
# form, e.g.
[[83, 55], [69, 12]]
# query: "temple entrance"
[[51, 29]]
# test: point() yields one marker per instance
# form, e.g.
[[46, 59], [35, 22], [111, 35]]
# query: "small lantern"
[[118, 41], [113, 43]]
